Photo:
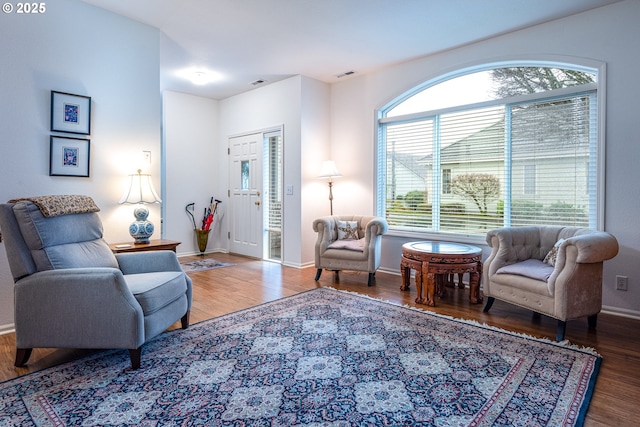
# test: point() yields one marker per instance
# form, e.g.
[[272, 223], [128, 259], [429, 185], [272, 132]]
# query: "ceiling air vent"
[[258, 82], [346, 73]]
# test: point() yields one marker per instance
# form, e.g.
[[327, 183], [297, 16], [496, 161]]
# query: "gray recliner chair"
[[71, 291], [360, 253]]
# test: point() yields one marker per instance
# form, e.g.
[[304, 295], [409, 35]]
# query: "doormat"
[[203, 264]]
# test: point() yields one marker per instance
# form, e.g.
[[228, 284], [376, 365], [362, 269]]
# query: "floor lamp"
[[329, 170]]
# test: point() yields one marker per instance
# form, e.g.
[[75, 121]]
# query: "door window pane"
[[244, 175]]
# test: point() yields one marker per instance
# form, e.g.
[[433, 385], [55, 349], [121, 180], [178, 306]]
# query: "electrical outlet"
[[289, 190], [621, 283]]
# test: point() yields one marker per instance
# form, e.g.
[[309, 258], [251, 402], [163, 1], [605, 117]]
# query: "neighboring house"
[[415, 176], [535, 178]]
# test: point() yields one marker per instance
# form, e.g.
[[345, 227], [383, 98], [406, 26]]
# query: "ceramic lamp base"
[[141, 229]]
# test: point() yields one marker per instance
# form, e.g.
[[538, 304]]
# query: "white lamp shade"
[[140, 190], [329, 170]]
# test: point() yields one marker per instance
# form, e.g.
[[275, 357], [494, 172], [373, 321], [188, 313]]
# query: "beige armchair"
[[361, 254], [555, 271]]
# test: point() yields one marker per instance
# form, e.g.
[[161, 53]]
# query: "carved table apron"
[[433, 261]]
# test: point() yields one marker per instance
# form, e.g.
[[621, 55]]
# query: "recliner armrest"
[[148, 261], [69, 307], [75, 284]]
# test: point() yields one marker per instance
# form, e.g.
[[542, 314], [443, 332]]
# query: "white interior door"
[[245, 167]]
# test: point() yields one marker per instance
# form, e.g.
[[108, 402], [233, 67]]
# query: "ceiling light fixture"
[[258, 82], [199, 76]]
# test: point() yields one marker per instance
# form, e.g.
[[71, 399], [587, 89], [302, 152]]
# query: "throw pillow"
[[347, 230], [553, 254]]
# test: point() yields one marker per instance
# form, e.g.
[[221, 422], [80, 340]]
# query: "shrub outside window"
[[501, 147]]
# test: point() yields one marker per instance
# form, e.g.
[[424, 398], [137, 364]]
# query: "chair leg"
[[318, 273], [371, 277], [185, 320], [22, 355], [134, 355], [593, 321], [487, 307], [562, 326]]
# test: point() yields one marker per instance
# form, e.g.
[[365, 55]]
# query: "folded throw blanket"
[[61, 205], [349, 244]]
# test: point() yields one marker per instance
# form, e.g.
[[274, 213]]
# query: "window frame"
[[599, 68]]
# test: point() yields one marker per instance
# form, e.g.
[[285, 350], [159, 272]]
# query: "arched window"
[[506, 146]]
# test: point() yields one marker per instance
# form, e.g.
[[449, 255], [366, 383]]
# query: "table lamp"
[[140, 192]]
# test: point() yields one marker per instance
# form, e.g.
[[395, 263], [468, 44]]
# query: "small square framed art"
[[70, 113], [69, 156]]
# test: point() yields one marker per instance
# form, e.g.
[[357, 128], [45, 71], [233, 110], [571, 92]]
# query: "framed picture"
[[70, 113], [68, 156]]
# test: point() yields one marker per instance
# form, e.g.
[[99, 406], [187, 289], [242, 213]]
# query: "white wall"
[[316, 131], [192, 161], [77, 48], [609, 34], [268, 107]]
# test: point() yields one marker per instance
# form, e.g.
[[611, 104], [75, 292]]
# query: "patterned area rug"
[[203, 264], [319, 358]]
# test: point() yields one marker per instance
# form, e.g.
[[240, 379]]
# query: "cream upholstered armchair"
[[555, 271], [71, 291], [349, 242]]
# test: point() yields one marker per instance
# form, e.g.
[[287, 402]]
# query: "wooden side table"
[[436, 260], [153, 245]]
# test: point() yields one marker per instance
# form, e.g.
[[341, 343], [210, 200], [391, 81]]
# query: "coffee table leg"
[[430, 297], [419, 297], [440, 285], [474, 285], [405, 271]]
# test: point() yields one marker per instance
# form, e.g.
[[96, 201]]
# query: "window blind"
[[469, 170]]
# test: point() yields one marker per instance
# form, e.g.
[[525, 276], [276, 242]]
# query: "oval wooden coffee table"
[[433, 259]]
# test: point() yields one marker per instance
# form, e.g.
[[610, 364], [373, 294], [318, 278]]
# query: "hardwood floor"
[[251, 282]]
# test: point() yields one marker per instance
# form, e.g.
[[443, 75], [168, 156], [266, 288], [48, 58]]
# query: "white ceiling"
[[247, 40]]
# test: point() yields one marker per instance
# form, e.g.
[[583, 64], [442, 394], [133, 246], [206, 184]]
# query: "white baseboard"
[[7, 329], [621, 312], [211, 251]]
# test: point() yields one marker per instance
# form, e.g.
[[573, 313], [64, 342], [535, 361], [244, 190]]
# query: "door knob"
[[258, 202]]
